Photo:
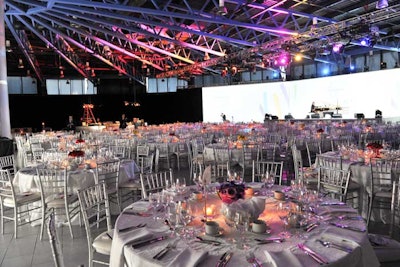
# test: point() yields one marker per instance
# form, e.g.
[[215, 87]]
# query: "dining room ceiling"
[[163, 38]]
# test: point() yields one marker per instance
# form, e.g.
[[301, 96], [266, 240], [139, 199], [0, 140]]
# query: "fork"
[[165, 250], [251, 258]]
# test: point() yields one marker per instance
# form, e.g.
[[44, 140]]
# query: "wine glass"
[[154, 200], [241, 221], [268, 181]]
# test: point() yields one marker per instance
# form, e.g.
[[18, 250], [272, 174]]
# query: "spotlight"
[[20, 64], [298, 57], [87, 66], [364, 42], [222, 11], [282, 60], [337, 48], [381, 4]]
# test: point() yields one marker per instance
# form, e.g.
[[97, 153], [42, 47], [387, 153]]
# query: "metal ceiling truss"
[[90, 45], [176, 39], [23, 42]]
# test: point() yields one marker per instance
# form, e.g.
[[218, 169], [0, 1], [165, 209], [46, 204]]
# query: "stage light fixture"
[[20, 64], [382, 4], [337, 48]]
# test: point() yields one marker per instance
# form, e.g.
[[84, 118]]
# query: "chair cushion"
[[22, 198], [386, 248], [102, 243]]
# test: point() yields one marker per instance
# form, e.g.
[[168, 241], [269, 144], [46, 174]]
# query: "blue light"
[[325, 71], [275, 74], [352, 67]]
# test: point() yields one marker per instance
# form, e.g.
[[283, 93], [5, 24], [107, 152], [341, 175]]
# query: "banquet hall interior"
[[213, 92]]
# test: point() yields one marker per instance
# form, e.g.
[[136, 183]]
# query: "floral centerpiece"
[[241, 137], [76, 153], [230, 191], [375, 147], [79, 141]]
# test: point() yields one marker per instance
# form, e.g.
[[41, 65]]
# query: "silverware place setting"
[[344, 226], [251, 258], [329, 244], [133, 227], [165, 250], [149, 241], [270, 240], [315, 256], [207, 241]]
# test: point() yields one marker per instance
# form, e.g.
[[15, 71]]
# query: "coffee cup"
[[212, 228], [259, 226], [279, 195], [197, 195]]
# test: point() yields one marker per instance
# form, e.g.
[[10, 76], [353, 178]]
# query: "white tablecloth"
[[80, 178], [362, 255]]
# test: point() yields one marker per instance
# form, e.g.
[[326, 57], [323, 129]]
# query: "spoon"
[[333, 245]]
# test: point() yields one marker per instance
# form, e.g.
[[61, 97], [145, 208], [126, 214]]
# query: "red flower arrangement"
[[79, 141], [231, 191], [76, 153], [374, 146]]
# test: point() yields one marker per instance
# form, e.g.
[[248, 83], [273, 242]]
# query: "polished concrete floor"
[[29, 251]]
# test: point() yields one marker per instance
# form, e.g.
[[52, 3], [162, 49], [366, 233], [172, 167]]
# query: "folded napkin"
[[121, 239], [254, 206], [139, 206], [359, 257], [282, 258], [188, 258]]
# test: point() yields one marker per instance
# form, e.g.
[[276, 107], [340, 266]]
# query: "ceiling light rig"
[[222, 10]]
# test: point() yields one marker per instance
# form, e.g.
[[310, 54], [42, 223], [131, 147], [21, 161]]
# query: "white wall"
[[355, 93]]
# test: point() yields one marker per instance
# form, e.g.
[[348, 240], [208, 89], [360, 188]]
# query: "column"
[[5, 127]]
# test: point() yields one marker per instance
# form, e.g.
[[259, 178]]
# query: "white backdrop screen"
[[354, 93]]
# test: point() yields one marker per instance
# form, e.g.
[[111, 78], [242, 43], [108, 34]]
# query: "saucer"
[[220, 233], [267, 232]]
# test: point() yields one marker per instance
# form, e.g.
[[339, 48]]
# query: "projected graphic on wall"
[[344, 94]]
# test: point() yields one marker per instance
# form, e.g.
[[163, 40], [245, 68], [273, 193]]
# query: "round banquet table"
[[189, 252], [361, 173], [79, 178]]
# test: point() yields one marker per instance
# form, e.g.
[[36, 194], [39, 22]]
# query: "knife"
[[332, 204], [221, 260], [149, 241], [203, 240], [227, 258], [313, 254], [129, 228], [269, 240], [348, 227]]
